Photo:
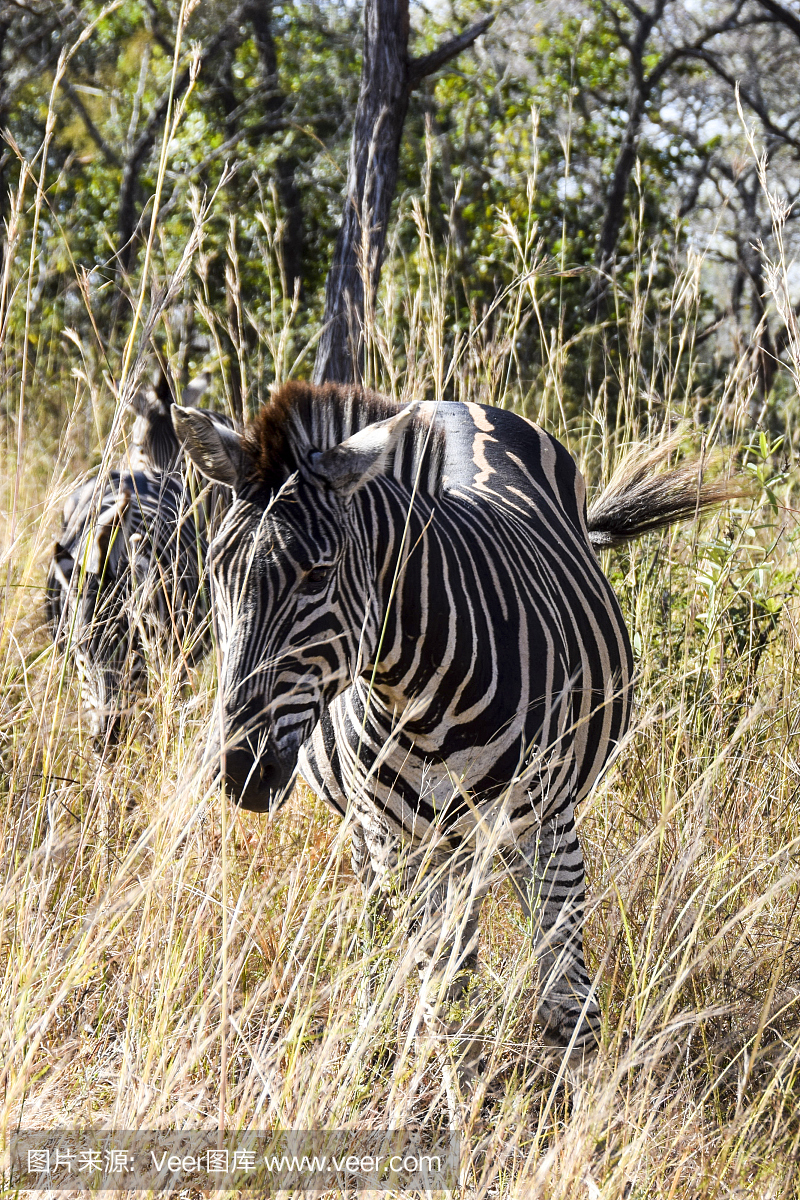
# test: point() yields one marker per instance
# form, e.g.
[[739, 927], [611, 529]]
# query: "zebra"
[[126, 579], [412, 617], [155, 446]]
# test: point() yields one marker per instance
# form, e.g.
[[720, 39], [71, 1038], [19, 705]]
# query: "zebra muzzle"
[[257, 782]]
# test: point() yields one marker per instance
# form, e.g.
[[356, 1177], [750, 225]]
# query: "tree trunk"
[[259, 13], [615, 201], [371, 180]]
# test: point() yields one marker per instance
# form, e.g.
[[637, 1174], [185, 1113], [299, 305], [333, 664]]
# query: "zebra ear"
[[214, 448], [351, 464], [152, 400], [194, 389], [145, 403]]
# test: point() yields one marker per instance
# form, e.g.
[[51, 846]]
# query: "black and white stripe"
[[126, 588], [154, 446], [411, 614], [127, 584]]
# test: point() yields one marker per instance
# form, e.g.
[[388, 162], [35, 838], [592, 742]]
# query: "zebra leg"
[[378, 908], [371, 850], [447, 909], [359, 856], [549, 879]]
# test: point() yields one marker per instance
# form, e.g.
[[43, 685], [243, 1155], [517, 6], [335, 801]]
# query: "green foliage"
[[505, 137]]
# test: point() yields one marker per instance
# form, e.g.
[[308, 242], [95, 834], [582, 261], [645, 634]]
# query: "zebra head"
[[294, 587], [154, 445], [89, 603]]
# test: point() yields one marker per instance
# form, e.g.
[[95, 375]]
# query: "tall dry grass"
[[169, 963]]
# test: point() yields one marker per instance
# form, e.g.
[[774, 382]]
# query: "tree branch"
[[42, 37], [91, 128], [750, 100], [619, 29], [690, 51], [260, 15], [155, 29], [633, 8], [782, 14], [419, 68]]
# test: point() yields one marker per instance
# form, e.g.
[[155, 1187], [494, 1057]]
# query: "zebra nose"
[[255, 782]]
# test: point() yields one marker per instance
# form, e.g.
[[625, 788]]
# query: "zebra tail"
[[640, 498]]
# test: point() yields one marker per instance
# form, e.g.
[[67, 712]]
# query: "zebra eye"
[[315, 579]]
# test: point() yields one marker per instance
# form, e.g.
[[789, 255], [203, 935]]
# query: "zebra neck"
[[408, 646]]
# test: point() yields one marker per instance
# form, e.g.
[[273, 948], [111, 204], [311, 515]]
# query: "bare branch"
[[690, 51], [91, 128], [419, 68], [42, 37], [615, 19], [632, 8], [761, 112], [782, 14], [155, 29]]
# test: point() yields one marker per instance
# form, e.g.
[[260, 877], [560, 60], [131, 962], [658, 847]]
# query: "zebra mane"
[[302, 417]]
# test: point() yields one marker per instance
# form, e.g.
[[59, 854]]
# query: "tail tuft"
[[640, 498]]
